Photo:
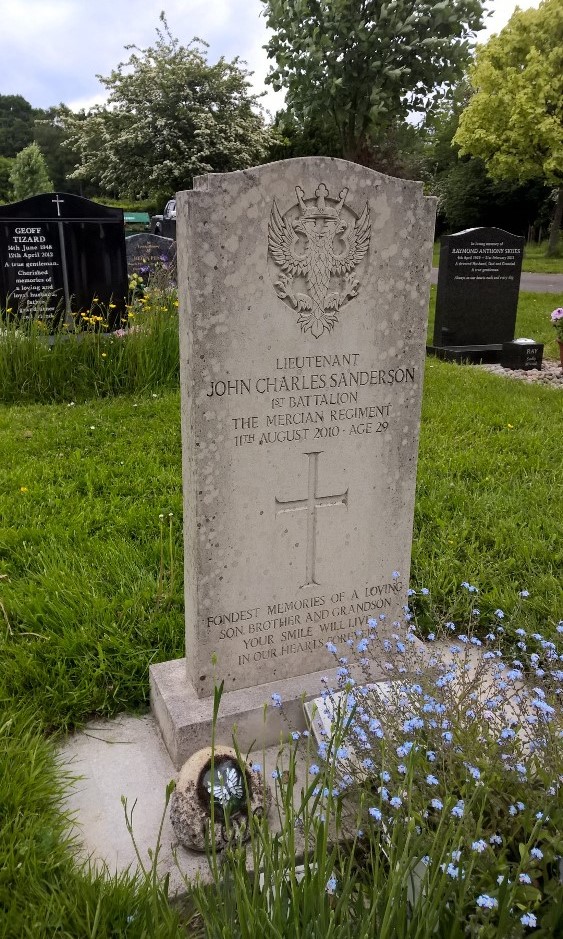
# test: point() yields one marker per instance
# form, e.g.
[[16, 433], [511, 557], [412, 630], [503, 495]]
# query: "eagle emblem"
[[317, 252]]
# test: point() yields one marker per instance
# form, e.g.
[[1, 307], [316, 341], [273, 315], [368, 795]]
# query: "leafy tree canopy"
[[16, 124], [29, 174], [49, 134], [514, 121], [170, 117], [5, 185], [364, 64]]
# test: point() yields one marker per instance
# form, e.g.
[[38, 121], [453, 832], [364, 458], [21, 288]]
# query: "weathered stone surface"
[[190, 812], [303, 297]]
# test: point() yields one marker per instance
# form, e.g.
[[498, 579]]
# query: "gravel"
[[551, 373]]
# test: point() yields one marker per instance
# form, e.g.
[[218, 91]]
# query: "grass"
[[91, 585], [43, 892], [86, 609], [34, 367], [535, 259]]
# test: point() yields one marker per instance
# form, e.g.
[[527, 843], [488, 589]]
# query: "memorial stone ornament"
[[334, 241], [235, 789]]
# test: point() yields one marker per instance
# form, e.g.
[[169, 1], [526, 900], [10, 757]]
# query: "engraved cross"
[[59, 202], [310, 505]]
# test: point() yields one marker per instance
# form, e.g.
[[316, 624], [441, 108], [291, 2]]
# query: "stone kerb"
[[303, 291]]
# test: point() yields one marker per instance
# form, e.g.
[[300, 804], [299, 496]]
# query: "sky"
[[52, 50]]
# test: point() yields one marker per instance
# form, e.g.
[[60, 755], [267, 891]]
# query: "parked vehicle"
[[165, 224]]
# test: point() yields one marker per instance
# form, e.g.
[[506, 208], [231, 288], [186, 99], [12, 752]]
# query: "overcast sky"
[[52, 50]]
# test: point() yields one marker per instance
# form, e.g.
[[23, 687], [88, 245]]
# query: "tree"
[[170, 117], [363, 65], [6, 165], [29, 174], [514, 121], [49, 134], [467, 196], [16, 124]]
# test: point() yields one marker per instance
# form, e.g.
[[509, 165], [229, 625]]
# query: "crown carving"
[[321, 209]]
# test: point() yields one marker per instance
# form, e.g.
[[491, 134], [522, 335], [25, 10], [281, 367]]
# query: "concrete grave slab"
[[126, 757]]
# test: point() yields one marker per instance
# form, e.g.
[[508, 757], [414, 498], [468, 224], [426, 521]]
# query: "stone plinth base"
[[185, 720], [474, 354]]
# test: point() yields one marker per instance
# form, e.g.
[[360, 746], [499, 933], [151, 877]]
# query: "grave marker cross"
[[59, 202], [310, 504]]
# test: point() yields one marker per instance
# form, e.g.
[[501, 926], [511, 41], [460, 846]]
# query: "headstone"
[[522, 354], [149, 254], [303, 294], [59, 255], [477, 296]]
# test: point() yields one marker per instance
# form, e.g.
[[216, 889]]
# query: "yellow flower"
[[24, 489], [104, 355], [112, 306]]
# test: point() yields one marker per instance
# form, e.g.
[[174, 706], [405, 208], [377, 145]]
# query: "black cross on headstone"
[[311, 504]]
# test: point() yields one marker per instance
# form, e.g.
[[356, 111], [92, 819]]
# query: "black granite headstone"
[[60, 255], [478, 284], [522, 354]]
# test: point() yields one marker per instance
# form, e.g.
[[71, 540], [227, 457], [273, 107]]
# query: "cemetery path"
[[530, 283]]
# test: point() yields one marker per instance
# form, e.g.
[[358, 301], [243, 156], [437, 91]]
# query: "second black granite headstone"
[[60, 255], [477, 297]]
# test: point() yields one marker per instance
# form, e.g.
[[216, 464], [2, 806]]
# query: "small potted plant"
[[557, 320]]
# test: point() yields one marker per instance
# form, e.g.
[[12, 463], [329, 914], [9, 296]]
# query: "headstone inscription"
[[524, 354], [149, 254], [59, 253], [303, 293], [477, 295]]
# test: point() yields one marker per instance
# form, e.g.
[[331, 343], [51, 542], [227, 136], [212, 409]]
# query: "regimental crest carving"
[[315, 248]]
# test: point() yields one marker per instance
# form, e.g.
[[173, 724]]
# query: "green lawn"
[[91, 586], [535, 259], [87, 591]]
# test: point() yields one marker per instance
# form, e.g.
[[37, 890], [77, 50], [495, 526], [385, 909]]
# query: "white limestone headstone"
[[303, 309]]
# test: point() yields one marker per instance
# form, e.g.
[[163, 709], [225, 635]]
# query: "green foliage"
[[42, 891], [514, 121], [360, 67], [402, 824], [29, 175], [171, 116], [16, 124], [50, 136], [67, 367], [467, 196], [6, 164], [91, 576]]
